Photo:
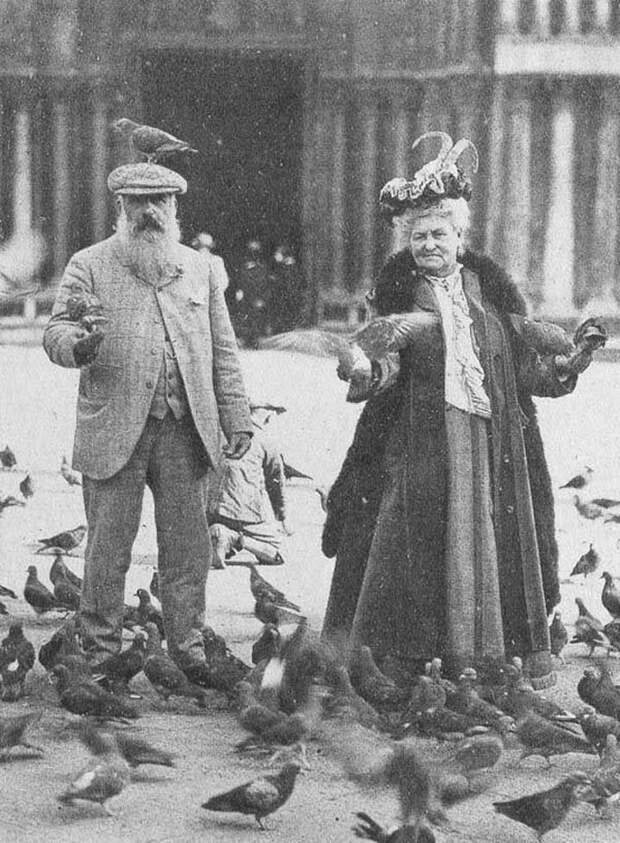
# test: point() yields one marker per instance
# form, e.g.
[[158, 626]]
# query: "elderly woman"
[[442, 515]]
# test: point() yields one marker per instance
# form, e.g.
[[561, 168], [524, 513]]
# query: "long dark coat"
[[410, 606]]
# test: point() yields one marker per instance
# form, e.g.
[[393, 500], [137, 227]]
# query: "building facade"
[[302, 109]]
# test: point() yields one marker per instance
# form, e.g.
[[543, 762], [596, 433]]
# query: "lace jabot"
[[464, 375]]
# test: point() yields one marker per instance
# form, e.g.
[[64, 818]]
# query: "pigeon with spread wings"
[[356, 352]]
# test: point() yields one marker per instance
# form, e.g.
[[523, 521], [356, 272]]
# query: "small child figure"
[[246, 499]]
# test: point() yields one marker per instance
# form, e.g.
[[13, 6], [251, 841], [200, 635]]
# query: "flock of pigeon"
[[434, 742]]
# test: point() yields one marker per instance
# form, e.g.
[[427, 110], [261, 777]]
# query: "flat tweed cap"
[[144, 178]]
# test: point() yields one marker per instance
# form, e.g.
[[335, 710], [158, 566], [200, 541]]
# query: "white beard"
[[150, 251]]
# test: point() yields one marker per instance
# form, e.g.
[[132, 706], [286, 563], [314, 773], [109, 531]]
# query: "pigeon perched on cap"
[[150, 141]]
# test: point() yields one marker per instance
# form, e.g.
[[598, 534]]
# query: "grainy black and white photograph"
[[309, 401]]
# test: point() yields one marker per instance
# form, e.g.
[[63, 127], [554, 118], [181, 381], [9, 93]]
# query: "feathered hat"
[[441, 178]]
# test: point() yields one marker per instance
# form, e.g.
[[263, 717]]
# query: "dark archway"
[[244, 113]]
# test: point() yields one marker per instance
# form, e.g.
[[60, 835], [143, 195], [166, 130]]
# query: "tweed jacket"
[[116, 390]]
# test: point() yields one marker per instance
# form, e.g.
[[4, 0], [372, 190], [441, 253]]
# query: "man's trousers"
[[171, 460]]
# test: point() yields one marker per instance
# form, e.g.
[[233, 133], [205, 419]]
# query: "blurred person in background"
[[204, 242], [288, 291], [246, 506], [249, 300]]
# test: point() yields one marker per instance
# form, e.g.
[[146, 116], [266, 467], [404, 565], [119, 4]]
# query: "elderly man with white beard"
[[160, 383]]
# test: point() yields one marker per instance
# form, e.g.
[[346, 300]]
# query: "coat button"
[[153, 351], [510, 509], [506, 458], [149, 384]]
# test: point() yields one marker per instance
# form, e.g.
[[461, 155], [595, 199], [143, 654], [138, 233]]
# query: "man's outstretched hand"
[[85, 350], [237, 446]]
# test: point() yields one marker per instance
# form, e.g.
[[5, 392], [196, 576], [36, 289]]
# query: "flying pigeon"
[[103, 777]]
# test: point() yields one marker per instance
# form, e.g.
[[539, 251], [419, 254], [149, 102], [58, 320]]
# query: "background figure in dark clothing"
[[288, 291], [250, 300]]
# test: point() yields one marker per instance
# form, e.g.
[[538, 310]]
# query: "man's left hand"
[[237, 446]]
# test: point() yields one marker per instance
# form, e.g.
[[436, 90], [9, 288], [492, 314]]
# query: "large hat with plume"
[[441, 178]]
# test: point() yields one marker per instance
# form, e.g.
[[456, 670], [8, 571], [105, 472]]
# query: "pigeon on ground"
[[610, 596], [7, 592], [121, 668], [519, 698], [596, 727], [67, 540], [261, 588], [268, 726], [544, 810], [135, 751], [587, 563], [439, 722], [269, 612], [154, 584], [61, 569], [62, 643], [150, 141], [7, 457], [467, 701], [221, 670], [558, 636], [267, 644], [343, 703], [164, 675], [578, 481], [605, 782], [148, 613], [38, 595], [12, 730], [373, 685], [10, 500], [425, 693], [259, 797], [369, 829], [104, 776], [66, 594], [26, 487], [589, 509], [612, 631], [80, 694], [72, 477], [479, 752], [589, 630], [292, 473], [540, 736], [17, 657], [306, 659], [596, 688]]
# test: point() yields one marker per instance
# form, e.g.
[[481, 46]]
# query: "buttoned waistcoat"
[[116, 390]]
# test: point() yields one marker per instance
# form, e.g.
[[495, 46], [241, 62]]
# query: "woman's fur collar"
[[394, 288]]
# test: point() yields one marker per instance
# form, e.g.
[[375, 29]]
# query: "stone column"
[[62, 185], [517, 199], [366, 229], [99, 164], [494, 168], [338, 208], [401, 140], [22, 186], [604, 282], [558, 263], [542, 25]]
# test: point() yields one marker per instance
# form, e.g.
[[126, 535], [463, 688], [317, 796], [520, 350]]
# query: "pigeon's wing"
[[606, 503], [386, 334], [261, 793], [543, 337], [308, 341]]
